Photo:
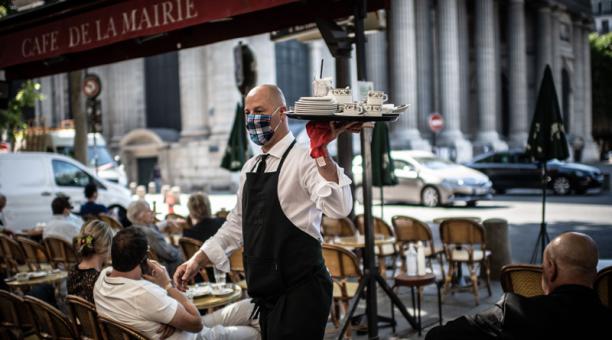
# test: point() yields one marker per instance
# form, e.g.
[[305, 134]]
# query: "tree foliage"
[[11, 119], [601, 71]]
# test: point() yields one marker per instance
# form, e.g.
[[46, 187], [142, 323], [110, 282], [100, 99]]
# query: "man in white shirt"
[[282, 196], [149, 302], [63, 224]]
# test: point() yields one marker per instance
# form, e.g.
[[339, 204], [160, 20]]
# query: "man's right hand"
[[159, 274], [185, 273]]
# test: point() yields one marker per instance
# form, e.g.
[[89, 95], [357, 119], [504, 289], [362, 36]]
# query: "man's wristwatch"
[[168, 286]]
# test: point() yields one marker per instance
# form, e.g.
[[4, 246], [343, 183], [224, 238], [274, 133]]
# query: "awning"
[[75, 35]]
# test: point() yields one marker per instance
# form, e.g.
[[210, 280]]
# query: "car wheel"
[[471, 204], [430, 197], [581, 191], [561, 185]]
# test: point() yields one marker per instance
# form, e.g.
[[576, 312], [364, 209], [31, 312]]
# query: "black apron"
[[285, 272]]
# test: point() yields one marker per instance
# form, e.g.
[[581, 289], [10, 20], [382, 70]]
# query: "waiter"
[[282, 195]]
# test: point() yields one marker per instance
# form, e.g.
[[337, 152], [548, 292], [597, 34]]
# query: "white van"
[[31, 180], [62, 141]]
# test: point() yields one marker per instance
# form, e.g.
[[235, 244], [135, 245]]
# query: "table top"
[[51, 278], [422, 280], [213, 301], [439, 220], [358, 241]]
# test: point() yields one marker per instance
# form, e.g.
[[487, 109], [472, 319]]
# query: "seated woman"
[[143, 218], [201, 225], [94, 243]]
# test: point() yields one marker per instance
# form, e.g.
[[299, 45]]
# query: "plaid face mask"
[[259, 128]]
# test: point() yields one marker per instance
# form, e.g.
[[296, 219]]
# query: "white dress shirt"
[[304, 195]]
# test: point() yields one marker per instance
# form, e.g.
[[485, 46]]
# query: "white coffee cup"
[[320, 87], [373, 110], [342, 96], [377, 97], [352, 109]]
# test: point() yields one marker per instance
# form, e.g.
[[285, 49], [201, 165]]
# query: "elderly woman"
[[142, 217], [201, 225], [93, 247]]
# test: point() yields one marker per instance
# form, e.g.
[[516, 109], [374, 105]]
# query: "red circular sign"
[[436, 122], [91, 86]]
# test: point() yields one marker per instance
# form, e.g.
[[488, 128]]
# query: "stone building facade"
[[477, 62]]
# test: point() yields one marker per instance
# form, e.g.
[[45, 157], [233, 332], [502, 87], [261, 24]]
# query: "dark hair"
[[129, 248], [90, 190], [59, 204]]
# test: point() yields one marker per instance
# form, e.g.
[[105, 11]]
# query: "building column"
[[424, 63], [467, 119], [376, 54], [577, 115], [555, 49], [460, 148], [402, 52], [544, 45], [590, 152], [487, 79], [517, 74], [194, 93]]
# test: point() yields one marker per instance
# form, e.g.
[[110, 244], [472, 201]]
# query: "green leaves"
[[11, 120]]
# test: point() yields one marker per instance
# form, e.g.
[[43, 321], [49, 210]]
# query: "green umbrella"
[[383, 170], [546, 141], [237, 151]]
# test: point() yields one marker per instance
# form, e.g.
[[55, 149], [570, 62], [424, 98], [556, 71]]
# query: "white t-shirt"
[[64, 227], [140, 304]]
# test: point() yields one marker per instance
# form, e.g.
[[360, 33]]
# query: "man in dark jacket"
[[570, 308]]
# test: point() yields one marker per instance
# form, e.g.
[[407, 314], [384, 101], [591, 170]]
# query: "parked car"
[[429, 180], [513, 169], [31, 180]]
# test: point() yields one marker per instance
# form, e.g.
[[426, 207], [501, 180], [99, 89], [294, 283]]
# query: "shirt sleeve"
[[334, 199], [229, 237], [159, 306]]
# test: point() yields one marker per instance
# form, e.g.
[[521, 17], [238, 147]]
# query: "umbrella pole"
[[543, 238]]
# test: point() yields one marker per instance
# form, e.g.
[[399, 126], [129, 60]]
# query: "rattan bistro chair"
[[603, 284], [35, 253], [382, 251], [13, 319], [113, 330], [411, 230], [464, 242], [84, 318], [342, 265], [14, 258], [337, 227], [237, 268], [49, 322], [522, 279], [189, 246], [61, 253]]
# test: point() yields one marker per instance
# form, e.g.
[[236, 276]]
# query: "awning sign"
[[122, 21]]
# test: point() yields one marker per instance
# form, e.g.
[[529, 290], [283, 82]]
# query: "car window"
[[523, 158], [434, 162], [488, 159], [502, 157], [69, 175], [402, 165]]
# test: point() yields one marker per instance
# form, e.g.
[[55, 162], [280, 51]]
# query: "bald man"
[[570, 308], [282, 194]]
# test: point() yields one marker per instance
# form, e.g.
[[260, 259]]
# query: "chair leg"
[[487, 264], [474, 279], [449, 277], [441, 260]]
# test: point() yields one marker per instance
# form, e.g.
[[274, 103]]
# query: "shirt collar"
[[281, 146]]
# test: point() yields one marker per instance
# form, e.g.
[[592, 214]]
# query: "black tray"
[[332, 118]]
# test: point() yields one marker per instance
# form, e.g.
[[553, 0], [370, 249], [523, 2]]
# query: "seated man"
[[143, 218], [91, 208], [570, 308], [149, 303], [63, 225]]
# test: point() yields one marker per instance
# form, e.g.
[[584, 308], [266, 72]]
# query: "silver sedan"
[[429, 180]]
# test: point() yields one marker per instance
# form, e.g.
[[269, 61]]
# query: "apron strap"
[[285, 155]]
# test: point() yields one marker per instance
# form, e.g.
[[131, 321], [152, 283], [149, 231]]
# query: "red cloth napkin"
[[320, 134]]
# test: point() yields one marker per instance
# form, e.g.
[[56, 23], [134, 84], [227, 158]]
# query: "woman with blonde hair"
[[201, 225], [93, 249]]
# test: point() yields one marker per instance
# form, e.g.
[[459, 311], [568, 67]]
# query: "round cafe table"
[[358, 241], [214, 301], [439, 220], [52, 278]]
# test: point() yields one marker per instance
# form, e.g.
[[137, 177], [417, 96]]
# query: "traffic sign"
[[436, 122], [91, 86]]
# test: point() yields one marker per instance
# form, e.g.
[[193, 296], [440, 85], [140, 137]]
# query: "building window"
[[605, 26], [564, 32]]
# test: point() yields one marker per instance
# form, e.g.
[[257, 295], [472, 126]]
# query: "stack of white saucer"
[[321, 106]]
